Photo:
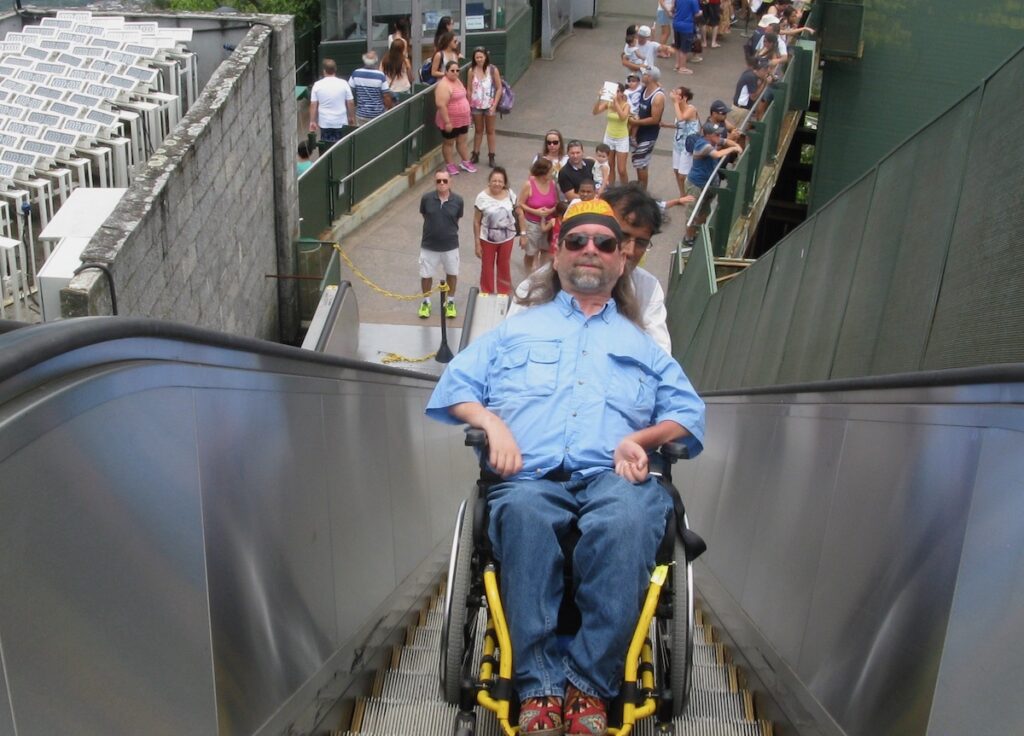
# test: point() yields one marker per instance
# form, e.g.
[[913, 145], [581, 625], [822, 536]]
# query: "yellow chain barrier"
[[442, 286], [391, 357]]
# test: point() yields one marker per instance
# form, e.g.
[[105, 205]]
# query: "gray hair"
[[545, 284]]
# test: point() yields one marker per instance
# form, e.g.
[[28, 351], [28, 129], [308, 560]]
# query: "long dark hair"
[[487, 58], [444, 41], [545, 284], [443, 26], [394, 60]]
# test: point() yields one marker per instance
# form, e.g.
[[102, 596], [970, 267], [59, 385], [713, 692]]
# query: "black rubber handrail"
[[30, 346]]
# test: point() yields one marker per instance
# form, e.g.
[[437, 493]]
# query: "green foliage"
[[306, 12]]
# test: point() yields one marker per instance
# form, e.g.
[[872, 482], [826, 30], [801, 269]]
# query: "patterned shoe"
[[449, 309], [424, 310], [541, 716], [585, 715], [468, 166]]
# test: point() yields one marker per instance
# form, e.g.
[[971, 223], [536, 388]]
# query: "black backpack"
[[750, 47]]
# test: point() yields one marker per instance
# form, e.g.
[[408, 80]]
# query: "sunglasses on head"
[[578, 241]]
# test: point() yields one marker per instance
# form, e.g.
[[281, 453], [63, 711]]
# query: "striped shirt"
[[368, 86]]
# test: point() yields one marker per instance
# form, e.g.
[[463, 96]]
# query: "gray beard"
[[587, 281]]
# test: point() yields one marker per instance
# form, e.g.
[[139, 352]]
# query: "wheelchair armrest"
[[476, 438], [671, 451]]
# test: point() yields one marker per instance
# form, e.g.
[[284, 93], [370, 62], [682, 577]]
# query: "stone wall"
[[214, 210]]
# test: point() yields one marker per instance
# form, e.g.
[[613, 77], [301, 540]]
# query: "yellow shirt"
[[617, 127]]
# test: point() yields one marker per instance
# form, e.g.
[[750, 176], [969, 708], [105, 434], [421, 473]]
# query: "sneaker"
[[541, 716], [490, 160], [689, 242], [468, 166], [453, 170], [585, 715], [449, 309], [475, 158], [424, 310], [696, 59]]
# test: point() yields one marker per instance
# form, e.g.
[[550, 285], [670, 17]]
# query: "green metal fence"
[[365, 159], [917, 265]]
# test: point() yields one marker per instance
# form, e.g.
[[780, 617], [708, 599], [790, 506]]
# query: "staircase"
[[405, 699]]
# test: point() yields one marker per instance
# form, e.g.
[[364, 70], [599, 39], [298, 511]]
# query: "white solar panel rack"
[[89, 147], [69, 142], [26, 165], [12, 275], [121, 148], [59, 177]]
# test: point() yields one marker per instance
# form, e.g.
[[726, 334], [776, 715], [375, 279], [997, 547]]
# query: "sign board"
[[475, 23]]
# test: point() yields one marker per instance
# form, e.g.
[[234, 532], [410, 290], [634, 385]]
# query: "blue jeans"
[[621, 525]]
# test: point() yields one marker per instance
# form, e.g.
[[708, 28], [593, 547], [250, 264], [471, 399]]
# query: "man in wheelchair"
[[572, 395]]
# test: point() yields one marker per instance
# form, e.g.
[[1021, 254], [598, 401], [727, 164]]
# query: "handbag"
[[697, 46]]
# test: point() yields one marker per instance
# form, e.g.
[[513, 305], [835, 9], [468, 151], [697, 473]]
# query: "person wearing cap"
[[646, 124], [649, 51], [751, 87], [572, 396], [707, 150]]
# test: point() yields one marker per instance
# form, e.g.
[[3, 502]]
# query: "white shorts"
[[682, 161], [619, 145], [445, 261]]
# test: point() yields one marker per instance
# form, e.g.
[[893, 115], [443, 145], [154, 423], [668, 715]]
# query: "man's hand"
[[504, 457], [631, 461]]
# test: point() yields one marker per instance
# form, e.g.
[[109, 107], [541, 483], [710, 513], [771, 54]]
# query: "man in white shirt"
[[332, 104], [640, 218], [648, 51]]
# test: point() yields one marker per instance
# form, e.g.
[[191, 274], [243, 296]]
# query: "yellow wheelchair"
[[476, 662]]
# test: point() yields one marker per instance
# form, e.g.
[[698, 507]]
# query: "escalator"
[[206, 534]]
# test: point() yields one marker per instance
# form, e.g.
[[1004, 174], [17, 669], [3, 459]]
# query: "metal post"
[[444, 353]]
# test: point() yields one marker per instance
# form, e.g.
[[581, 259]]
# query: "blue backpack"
[[425, 76]]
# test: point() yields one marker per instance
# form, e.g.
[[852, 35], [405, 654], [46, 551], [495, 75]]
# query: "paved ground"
[[552, 94]]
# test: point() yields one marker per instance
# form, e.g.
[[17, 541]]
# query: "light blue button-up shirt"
[[569, 387]]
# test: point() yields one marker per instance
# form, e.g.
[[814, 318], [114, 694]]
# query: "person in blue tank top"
[[707, 149]]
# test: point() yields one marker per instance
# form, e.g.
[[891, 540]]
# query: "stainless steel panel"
[[361, 536], [887, 572], [699, 480], [411, 486], [740, 498], [978, 688], [786, 544], [264, 480], [103, 611]]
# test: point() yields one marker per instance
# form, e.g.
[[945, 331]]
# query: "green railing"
[[365, 159], [764, 137], [306, 42], [915, 266]]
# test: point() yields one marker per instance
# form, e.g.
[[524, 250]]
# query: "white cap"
[[767, 20], [644, 31]]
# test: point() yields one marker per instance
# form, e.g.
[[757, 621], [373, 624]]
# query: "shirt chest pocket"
[[529, 370], [632, 389]]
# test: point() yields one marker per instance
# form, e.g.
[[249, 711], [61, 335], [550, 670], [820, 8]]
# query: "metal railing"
[[365, 159], [763, 137]]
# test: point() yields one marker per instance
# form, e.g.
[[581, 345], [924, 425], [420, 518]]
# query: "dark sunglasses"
[[578, 241], [440, 181], [552, 143]]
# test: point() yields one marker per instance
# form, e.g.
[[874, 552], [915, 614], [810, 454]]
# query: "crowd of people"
[[634, 112]]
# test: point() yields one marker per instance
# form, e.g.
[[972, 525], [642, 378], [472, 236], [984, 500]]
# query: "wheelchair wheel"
[[459, 621], [680, 631]]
